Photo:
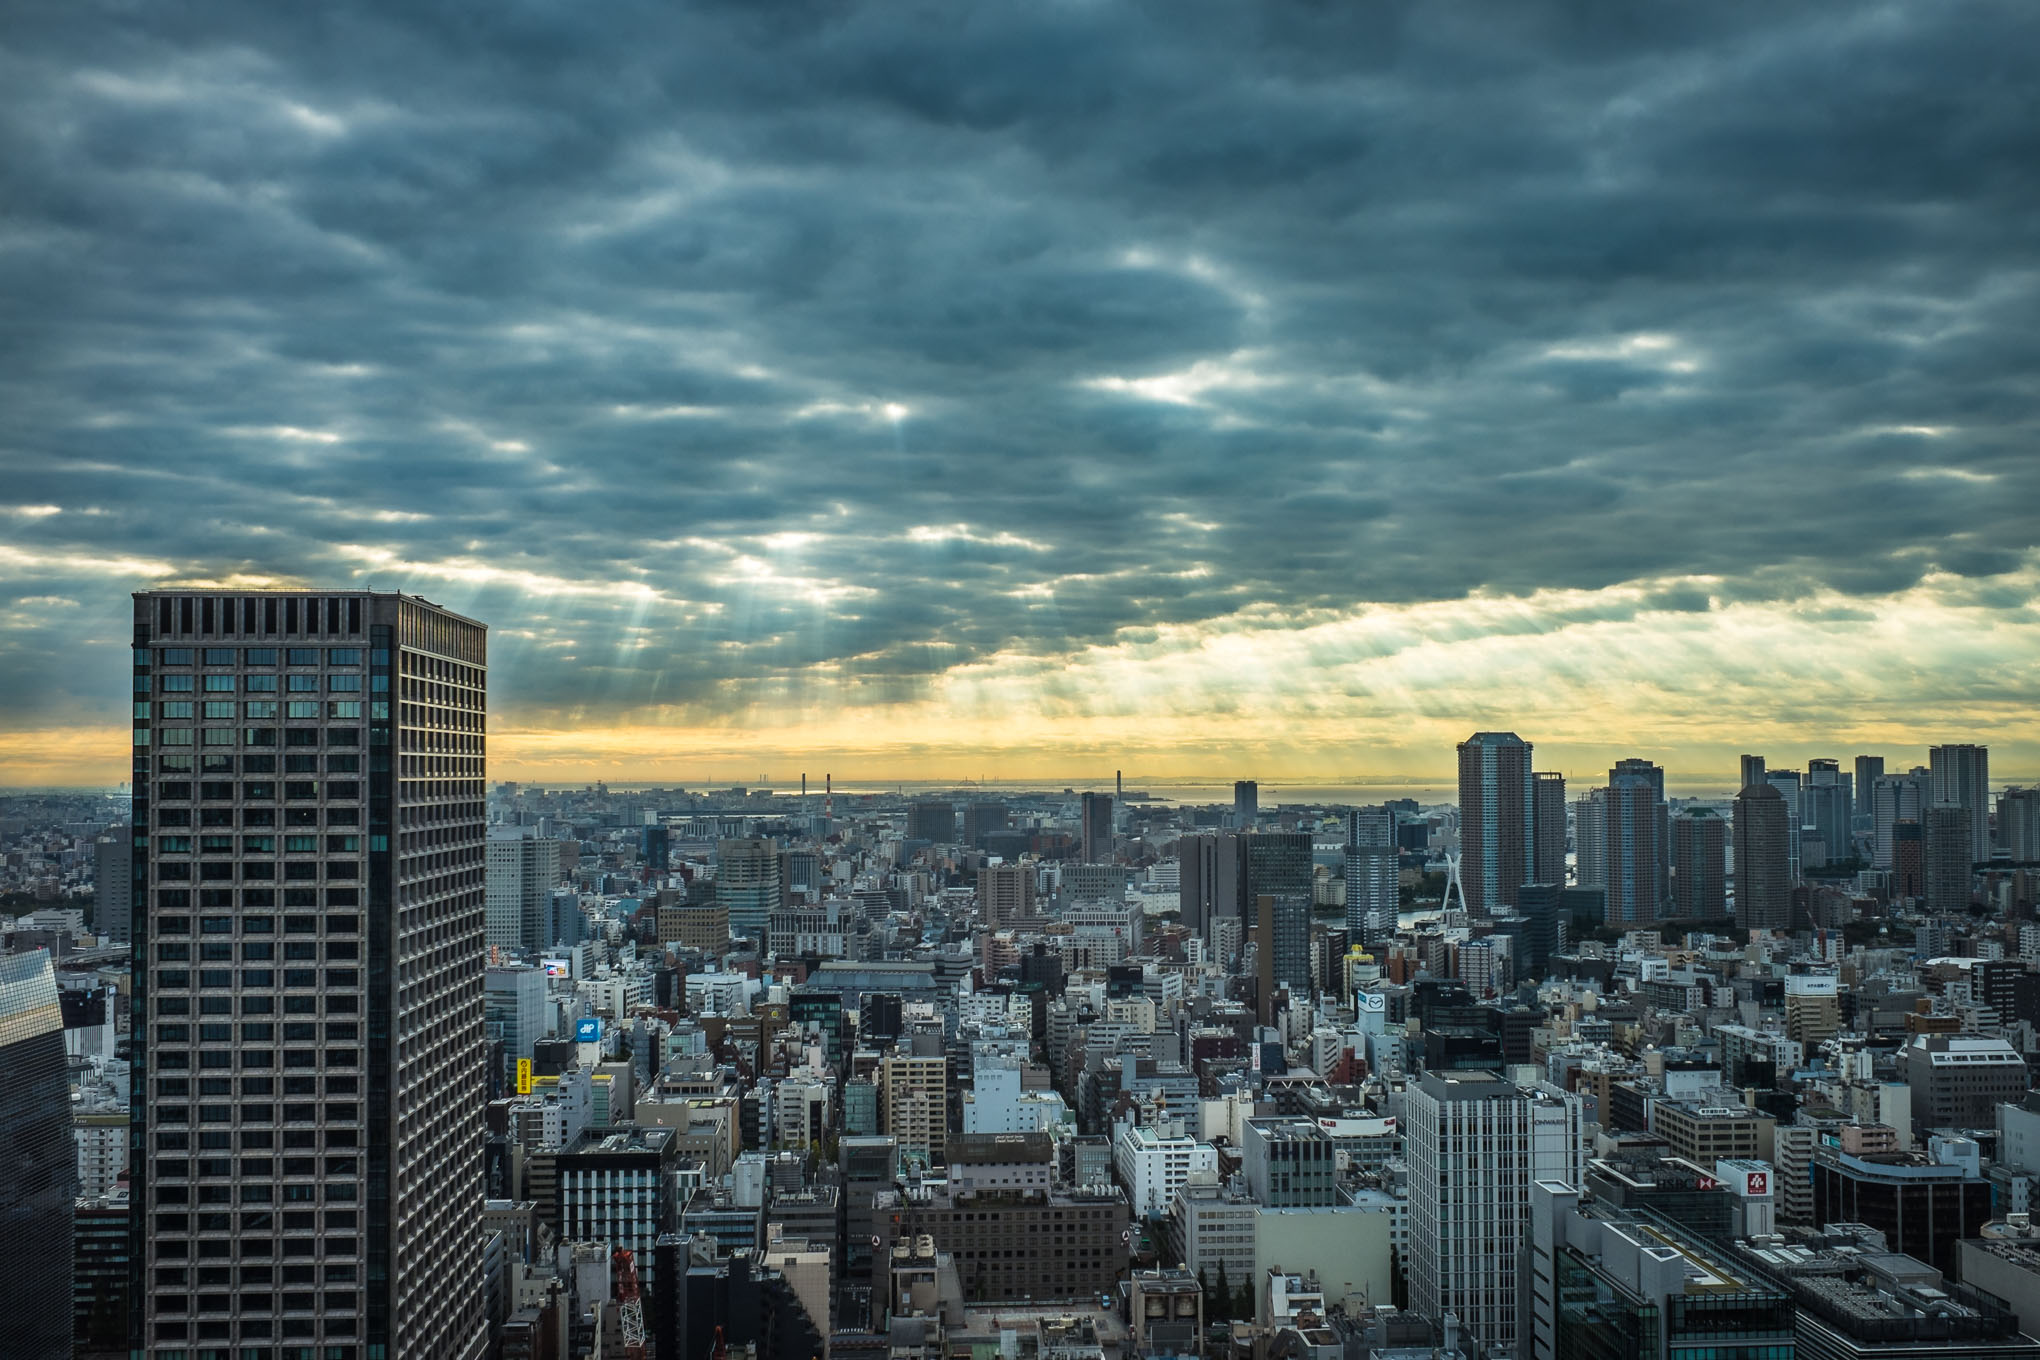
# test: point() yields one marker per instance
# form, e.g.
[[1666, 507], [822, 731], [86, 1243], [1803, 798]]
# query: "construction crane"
[[630, 1308]]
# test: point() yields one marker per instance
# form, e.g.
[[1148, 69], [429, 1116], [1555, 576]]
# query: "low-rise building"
[[1154, 1163], [1010, 1246]]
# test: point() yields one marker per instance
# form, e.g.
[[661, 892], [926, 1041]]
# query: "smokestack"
[[803, 786], [1119, 783]]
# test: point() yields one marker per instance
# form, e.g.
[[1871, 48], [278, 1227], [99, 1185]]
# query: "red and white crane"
[[630, 1307]]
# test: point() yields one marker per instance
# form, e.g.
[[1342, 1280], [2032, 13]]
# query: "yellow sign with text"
[[524, 1076]]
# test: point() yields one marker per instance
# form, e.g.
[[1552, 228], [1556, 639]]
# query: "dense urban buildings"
[[866, 1073]]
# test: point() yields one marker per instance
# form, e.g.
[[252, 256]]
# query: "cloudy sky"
[[1032, 390]]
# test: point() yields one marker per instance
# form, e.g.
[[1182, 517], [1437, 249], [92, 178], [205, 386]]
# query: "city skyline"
[[1276, 391]]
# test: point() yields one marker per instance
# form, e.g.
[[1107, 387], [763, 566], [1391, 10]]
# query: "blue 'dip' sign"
[[588, 1031]]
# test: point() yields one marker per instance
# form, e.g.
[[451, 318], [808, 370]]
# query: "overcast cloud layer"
[[1305, 381]]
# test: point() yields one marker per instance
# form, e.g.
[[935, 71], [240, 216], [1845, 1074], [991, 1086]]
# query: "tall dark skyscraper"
[[1279, 863], [1869, 769], [1946, 829], [1827, 810], [1197, 882], [1246, 802], [1791, 786], [1763, 877], [310, 1049], [1281, 930], [38, 1164], [931, 821], [1548, 814], [1699, 858], [1590, 839], [1638, 835], [1497, 814], [1097, 828], [1961, 775], [1893, 799], [654, 845], [1373, 878]]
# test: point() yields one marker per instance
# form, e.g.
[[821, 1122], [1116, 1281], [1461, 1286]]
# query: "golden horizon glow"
[[1378, 694]]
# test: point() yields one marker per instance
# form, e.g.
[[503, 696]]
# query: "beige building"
[[913, 1101], [1005, 893], [705, 927], [1705, 1132], [808, 1268]]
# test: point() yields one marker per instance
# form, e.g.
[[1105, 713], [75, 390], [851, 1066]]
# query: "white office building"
[[521, 869], [1476, 1145], [1154, 1163]]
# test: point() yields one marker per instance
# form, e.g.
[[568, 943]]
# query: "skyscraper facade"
[[1476, 1145], [1894, 798], [39, 1183], [1373, 878], [1197, 881], [1752, 771], [1961, 775], [931, 820], [1246, 803], [113, 904], [1005, 893], [1869, 769], [1497, 819], [520, 872], [1590, 839], [1637, 876], [1548, 814], [1097, 828], [1699, 858], [747, 883], [1763, 878], [310, 1046], [1790, 784], [655, 845], [1278, 862], [1908, 861], [2018, 824], [1827, 813], [1946, 829]]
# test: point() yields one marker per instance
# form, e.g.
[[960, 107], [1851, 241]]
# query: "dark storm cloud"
[[702, 347]]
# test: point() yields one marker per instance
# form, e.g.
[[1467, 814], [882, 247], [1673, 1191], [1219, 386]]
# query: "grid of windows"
[[298, 1036]]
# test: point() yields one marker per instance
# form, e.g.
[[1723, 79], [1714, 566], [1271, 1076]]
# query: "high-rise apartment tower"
[[1097, 828], [1763, 877], [1497, 819], [1548, 812], [1961, 775], [1639, 857], [1699, 856], [1373, 875]]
